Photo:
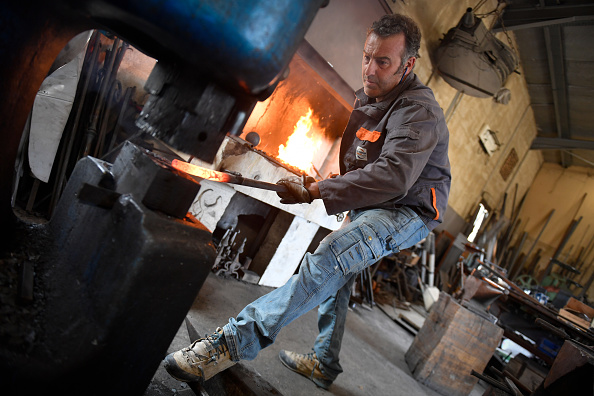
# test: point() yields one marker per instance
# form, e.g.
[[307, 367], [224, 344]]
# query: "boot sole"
[[176, 372]]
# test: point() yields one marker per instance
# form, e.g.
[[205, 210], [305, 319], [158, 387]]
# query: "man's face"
[[381, 67]]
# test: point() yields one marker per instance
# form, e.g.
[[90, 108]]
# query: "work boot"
[[202, 360], [307, 365]]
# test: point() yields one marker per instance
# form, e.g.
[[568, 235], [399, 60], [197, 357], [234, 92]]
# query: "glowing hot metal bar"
[[223, 177], [200, 172]]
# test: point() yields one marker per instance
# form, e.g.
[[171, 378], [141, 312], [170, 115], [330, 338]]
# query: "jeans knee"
[[317, 269]]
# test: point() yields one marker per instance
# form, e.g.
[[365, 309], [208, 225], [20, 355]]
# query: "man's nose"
[[370, 68]]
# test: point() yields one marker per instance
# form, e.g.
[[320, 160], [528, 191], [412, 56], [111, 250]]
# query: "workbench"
[[538, 321]]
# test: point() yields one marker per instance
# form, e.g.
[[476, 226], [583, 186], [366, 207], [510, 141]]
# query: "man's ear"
[[410, 63]]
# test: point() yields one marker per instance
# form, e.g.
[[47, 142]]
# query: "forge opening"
[[303, 94]]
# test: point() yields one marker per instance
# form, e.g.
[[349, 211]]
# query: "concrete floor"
[[372, 352]]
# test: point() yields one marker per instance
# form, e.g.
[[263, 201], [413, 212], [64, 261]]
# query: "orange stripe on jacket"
[[370, 136], [434, 201]]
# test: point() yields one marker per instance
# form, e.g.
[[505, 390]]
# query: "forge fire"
[[301, 122], [301, 145]]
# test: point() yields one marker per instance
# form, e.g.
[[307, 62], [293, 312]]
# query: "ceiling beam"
[[555, 55], [513, 15], [514, 18], [547, 22], [542, 143]]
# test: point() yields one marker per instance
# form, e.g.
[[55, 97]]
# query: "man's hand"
[[297, 191]]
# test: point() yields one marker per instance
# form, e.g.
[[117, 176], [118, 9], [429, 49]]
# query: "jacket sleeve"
[[410, 139]]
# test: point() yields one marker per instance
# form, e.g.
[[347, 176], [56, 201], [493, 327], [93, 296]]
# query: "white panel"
[[211, 202], [253, 166], [50, 113], [289, 253], [338, 33]]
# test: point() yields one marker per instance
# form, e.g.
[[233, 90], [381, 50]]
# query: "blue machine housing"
[[244, 46], [132, 295]]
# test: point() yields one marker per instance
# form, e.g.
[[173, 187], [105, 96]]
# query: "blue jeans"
[[325, 279]]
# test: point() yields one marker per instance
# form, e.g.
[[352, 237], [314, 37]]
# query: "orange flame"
[[300, 148]]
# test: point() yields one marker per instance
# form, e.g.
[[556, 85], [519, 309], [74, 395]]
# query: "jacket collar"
[[377, 109]]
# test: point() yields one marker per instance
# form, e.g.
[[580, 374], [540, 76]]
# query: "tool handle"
[[262, 185]]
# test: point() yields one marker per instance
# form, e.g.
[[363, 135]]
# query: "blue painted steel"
[[246, 42], [244, 45]]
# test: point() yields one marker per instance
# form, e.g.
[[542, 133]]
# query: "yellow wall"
[[475, 175], [570, 192]]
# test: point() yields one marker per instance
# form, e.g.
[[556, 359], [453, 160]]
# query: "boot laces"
[[310, 356], [216, 349], [314, 359]]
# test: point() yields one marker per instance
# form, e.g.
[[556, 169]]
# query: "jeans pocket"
[[373, 238], [352, 259]]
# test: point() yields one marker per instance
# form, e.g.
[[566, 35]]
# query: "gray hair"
[[392, 24]]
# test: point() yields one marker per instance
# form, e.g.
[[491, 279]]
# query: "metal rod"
[[514, 201], [585, 253], [114, 92], [536, 240], [129, 92], [89, 70], [587, 285], [431, 241], [582, 248], [453, 105], [258, 184], [209, 174], [91, 134], [568, 233], [507, 236], [491, 381], [512, 268]]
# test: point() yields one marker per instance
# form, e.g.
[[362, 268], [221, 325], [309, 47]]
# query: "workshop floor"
[[372, 352]]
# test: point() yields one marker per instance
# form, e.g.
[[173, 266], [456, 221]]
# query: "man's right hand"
[[296, 191]]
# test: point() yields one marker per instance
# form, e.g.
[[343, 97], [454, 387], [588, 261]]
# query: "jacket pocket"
[[434, 203], [433, 199], [405, 132]]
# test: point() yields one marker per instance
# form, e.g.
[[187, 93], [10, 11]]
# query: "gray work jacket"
[[393, 153]]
